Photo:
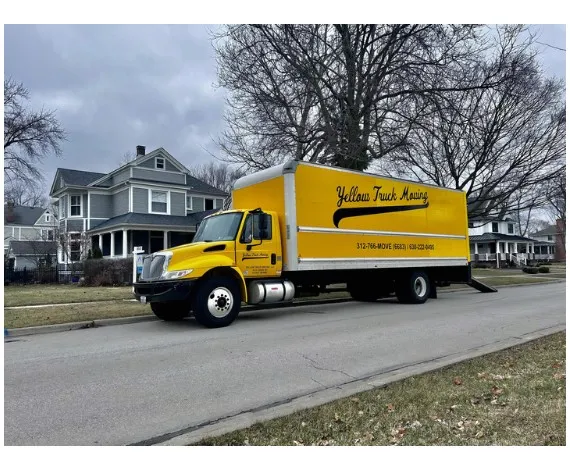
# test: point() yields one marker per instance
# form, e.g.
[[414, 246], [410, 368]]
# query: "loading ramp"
[[480, 286]]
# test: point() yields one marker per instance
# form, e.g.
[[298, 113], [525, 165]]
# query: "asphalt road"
[[133, 383]]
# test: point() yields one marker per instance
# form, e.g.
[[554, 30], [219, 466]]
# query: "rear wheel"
[[170, 311], [217, 302], [413, 288]]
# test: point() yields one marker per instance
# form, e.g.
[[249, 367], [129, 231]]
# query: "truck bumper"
[[164, 291]]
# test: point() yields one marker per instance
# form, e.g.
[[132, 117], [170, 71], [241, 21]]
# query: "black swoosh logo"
[[359, 211]]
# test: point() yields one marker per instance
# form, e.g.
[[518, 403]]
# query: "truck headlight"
[[176, 274]]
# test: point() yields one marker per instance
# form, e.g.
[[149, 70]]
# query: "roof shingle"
[[22, 215], [161, 221]]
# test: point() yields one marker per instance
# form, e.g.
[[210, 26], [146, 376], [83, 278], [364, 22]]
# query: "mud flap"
[[480, 286], [433, 291]]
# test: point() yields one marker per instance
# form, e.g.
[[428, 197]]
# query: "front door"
[[258, 256]]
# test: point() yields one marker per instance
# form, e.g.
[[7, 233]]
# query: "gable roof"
[[23, 215], [89, 178], [78, 177], [550, 230], [33, 247]]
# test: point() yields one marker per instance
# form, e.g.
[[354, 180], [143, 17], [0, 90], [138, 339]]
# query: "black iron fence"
[[42, 275]]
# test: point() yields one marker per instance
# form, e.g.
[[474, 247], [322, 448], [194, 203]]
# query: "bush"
[[544, 269], [530, 270], [108, 272]]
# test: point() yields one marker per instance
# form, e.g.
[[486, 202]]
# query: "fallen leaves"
[[457, 381], [390, 408], [559, 376], [496, 391]]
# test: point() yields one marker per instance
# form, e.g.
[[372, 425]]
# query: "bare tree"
[[127, 157], [338, 94], [501, 145], [28, 135], [556, 196], [219, 175], [32, 195]]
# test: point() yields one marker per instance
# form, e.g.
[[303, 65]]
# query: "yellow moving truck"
[[297, 228]]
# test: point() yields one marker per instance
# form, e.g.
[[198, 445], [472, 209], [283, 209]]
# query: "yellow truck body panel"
[[333, 218]]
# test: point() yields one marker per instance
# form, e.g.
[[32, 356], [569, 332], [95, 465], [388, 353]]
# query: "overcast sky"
[[115, 87]]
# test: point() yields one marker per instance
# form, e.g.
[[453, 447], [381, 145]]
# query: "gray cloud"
[[116, 87]]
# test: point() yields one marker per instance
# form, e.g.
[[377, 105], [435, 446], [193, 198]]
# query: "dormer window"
[[159, 163], [47, 218]]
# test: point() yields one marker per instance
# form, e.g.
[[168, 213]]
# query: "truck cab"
[[215, 273]]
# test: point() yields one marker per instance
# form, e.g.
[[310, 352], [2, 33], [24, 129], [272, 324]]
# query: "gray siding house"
[[29, 235], [152, 202]]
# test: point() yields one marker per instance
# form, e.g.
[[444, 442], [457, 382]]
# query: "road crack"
[[315, 365]]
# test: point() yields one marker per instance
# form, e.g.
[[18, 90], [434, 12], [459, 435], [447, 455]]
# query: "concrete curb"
[[224, 425], [34, 330]]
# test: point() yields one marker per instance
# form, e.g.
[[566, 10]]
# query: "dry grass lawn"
[[19, 318], [39, 294]]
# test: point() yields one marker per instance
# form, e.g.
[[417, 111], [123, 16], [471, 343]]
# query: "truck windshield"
[[219, 228]]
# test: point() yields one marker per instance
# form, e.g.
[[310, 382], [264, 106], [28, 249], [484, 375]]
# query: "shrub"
[[530, 270], [108, 272], [544, 269], [97, 254]]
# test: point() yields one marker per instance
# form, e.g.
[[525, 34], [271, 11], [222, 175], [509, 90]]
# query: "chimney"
[[140, 150]]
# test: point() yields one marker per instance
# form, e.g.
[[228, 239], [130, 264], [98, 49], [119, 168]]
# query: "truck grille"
[[153, 267]]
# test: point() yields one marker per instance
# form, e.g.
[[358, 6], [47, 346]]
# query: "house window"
[[511, 228], [75, 206], [188, 202], [75, 246], [208, 204], [47, 234], [219, 203], [495, 227], [48, 218], [159, 163], [159, 202], [549, 238]]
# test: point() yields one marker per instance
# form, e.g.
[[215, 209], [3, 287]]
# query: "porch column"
[[476, 248], [165, 239], [112, 244], [516, 248], [125, 244], [498, 251], [101, 242]]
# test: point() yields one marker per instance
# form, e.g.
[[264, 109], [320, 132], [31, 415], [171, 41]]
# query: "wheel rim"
[[220, 302], [420, 287]]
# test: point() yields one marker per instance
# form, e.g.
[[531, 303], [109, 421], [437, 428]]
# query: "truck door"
[[258, 248]]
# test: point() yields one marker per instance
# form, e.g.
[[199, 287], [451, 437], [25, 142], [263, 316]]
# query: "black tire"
[[217, 302], [170, 311], [413, 288]]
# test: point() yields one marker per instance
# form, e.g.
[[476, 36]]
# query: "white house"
[[499, 243]]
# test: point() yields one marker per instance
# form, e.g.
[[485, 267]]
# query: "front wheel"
[[414, 288], [217, 302], [170, 311]]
